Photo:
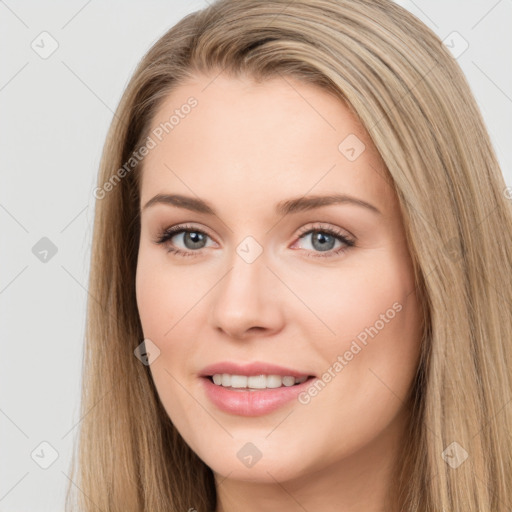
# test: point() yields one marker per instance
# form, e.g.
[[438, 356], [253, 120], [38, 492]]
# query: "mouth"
[[260, 382], [251, 400]]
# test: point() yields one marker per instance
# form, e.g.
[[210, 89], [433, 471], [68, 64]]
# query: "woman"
[[300, 287]]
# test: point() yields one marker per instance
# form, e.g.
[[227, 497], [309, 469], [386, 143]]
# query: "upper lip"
[[254, 368]]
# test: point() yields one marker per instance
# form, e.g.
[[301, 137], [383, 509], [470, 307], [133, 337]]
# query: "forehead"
[[278, 138]]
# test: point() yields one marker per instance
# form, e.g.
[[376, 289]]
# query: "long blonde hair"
[[411, 96]]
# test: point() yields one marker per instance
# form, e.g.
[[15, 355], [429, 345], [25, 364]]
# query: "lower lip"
[[252, 403]]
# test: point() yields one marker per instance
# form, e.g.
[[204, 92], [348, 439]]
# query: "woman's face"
[[268, 273]]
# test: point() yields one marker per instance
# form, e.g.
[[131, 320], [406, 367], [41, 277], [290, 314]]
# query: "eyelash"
[[169, 233]]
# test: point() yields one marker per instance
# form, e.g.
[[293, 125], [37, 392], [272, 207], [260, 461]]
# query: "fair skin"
[[244, 148]]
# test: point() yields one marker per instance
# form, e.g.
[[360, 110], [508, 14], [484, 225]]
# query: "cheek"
[[371, 360], [163, 295], [372, 326], [378, 323], [353, 296], [152, 304], [163, 298], [169, 305]]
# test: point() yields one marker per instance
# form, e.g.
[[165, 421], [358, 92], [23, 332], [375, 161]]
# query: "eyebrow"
[[286, 207]]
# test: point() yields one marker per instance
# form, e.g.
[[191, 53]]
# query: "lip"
[[251, 369], [243, 402]]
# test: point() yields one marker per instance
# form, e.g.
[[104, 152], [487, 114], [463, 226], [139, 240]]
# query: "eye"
[[323, 240], [194, 239]]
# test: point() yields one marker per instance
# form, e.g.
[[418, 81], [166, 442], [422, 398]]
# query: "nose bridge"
[[244, 298], [248, 266]]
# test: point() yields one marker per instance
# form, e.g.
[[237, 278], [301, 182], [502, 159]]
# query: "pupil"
[[323, 239], [195, 238]]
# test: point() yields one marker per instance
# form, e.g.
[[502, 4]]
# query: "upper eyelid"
[[319, 226]]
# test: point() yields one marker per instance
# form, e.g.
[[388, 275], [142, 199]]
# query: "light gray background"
[[55, 113]]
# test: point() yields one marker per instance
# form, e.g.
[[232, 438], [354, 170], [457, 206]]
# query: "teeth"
[[237, 381], [255, 381]]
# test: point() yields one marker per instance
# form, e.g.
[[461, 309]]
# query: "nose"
[[248, 300]]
